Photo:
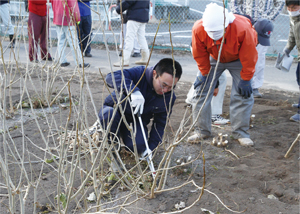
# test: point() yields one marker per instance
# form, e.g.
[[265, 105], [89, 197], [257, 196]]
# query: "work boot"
[[197, 137], [246, 142], [12, 41], [295, 118], [64, 64], [126, 59], [144, 59], [256, 93]]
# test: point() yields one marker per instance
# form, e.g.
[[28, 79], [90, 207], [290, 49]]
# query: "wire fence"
[[183, 14]]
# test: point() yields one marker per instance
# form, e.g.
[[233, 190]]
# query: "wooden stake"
[[292, 146]]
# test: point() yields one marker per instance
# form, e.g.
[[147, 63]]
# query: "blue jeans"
[[63, 33], [85, 33], [4, 13]]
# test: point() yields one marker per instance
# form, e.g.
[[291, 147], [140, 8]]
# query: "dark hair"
[[247, 16], [292, 2], [166, 66]]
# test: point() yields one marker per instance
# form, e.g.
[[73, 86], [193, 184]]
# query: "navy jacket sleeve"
[[131, 77], [125, 5], [158, 127]]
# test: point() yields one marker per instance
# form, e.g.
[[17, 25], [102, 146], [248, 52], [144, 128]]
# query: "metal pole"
[[149, 159]]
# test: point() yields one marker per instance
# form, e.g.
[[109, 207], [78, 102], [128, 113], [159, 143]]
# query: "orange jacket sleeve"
[[248, 53], [200, 52]]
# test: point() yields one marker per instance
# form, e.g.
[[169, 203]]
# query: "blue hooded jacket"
[[156, 106], [137, 10]]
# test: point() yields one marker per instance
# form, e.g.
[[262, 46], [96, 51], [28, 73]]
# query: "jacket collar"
[[295, 19], [149, 76]]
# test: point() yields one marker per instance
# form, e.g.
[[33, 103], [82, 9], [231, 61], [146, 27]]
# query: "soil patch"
[[256, 179]]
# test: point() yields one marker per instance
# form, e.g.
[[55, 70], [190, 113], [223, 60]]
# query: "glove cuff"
[[244, 81], [136, 93], [287, 51]]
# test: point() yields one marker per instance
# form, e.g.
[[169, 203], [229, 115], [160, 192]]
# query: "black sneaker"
[[88, 55], [50, 59], [65, 64], [11, 45], [85, 65], [136, 54]]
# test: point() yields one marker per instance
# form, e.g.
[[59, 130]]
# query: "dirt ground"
[[254, 179]]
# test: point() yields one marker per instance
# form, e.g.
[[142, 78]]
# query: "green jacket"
[[294, 37]]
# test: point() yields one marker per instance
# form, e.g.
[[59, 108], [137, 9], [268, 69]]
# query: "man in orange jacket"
[[238, 55]]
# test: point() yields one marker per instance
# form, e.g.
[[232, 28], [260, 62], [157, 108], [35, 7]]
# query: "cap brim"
[[264, 41]]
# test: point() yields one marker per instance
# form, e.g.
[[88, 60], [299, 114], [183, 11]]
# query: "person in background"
[[136, 47], [138, 16], [85, 27], [267, 9], [9, 28], [238, 56], [66, 16], [151, 98], [38, 29], [293, 7]]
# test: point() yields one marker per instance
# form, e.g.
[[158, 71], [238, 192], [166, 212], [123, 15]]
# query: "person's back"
[[65, 13], [137, 10], [138, 15]]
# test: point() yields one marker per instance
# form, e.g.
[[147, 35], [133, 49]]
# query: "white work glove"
[[137, 101], [114, 13]]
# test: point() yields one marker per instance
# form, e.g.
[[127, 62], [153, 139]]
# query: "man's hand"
[[137, 101], [216, 91], [245, 88], [286, 52], [199, 81]]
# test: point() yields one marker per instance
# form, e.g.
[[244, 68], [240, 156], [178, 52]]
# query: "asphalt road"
[[274, 78]]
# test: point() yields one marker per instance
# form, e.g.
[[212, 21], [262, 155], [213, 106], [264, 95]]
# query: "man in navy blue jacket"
[[138, 15], [151, 97], [85, 27]]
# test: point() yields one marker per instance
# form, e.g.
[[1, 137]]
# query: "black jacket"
[[137, 10], [124, 13], [3, 2]]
